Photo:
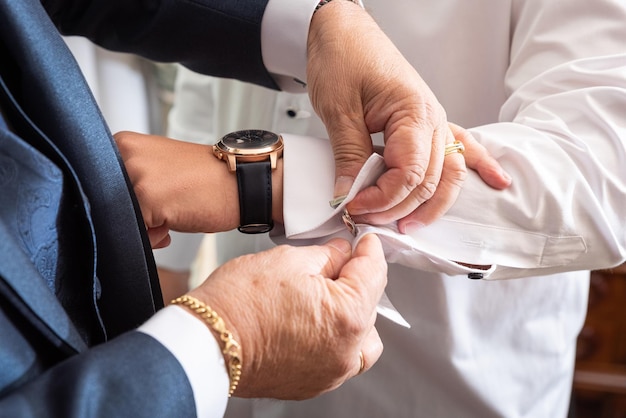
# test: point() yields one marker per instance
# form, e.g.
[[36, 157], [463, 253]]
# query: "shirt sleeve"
[[197, 350], [513, 232]]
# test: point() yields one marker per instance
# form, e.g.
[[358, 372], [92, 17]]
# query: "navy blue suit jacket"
[[76, 270]]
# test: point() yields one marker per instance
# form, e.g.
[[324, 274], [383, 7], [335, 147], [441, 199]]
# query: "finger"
[[448, 190], [371, 350], [365, 273], [414, 169], [159, 237], [479, 159], [422, 193], [340, 252], [352, 146]]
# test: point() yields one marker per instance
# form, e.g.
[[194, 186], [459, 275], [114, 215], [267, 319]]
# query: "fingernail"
[[507, 176], [410, 227], [343, 185]]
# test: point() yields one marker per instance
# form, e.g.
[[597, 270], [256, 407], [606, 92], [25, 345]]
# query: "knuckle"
[[415, 176], [425, 190]]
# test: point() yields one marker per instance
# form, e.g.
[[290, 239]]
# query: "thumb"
[[366, 272]]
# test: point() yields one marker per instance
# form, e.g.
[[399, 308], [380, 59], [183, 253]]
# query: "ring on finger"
[[456, 146], [362, 363]]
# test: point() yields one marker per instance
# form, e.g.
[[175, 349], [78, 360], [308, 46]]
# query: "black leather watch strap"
[[255, 197]]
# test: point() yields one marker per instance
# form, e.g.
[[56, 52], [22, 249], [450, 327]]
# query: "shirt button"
[[298, 114]]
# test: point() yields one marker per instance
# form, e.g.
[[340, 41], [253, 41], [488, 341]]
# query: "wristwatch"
[[252, 155]]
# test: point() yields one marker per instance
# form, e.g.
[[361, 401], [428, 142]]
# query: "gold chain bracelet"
[[231, 349]]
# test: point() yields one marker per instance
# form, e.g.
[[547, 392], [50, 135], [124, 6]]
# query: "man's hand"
[[359, 83], [301, 315], [475, 157]]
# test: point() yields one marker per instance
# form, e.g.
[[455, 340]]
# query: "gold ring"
[[362, 366], [456, 146]]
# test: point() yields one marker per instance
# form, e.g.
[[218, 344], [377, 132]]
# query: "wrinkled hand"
[[301, 315], [475, 157], [359, 83]]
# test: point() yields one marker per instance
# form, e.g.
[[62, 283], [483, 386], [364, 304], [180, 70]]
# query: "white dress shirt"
[[542, 84]]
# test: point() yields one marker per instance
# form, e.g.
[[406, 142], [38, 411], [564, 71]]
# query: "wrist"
[[221, 195], [252, 171], [333, 26], [329, 11], [230, 198], [228, 341], [252, 156]]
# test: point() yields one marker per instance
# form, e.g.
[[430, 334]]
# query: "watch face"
[[250, 140], [249, 146]]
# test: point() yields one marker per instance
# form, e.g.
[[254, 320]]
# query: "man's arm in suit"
[[221, 38], [130, 373]]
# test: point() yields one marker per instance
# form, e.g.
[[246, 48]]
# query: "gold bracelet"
[[232, 349]]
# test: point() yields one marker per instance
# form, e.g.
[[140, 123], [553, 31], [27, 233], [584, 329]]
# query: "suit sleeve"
[[172, 366], [220, 38], [128, 376]]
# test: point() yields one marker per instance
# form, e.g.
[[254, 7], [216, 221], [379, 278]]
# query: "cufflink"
[[349, 223]]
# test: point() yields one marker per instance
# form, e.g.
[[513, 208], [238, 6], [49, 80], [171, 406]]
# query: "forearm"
[[560, 131], [545, 222], [566, 153]]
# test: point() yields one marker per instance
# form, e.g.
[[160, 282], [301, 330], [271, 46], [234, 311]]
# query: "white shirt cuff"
[[197, 350], [284, 33]]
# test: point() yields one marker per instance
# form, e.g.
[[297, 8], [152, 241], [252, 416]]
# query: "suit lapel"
[[52, 92]]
